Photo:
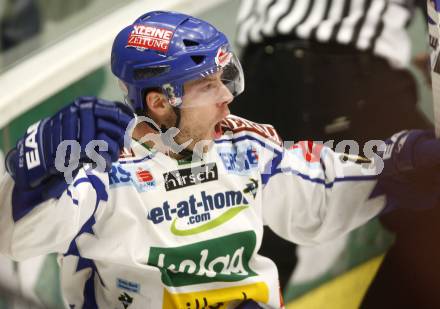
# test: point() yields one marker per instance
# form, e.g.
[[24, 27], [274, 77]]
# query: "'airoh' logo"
[[190, 176], [221, 259], [196, 215]]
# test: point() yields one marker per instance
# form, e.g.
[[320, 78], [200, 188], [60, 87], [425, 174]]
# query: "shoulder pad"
[[237, 124]]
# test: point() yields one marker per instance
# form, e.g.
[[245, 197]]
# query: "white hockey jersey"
[[155, 232]]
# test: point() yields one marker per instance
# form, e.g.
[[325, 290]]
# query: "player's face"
[[205, 105]]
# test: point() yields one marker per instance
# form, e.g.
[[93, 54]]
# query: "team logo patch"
[[147, 37], [190, 176], [251, 187], [223, 57], [125, 299]]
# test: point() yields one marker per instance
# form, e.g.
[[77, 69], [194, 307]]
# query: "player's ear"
[[157, 103]]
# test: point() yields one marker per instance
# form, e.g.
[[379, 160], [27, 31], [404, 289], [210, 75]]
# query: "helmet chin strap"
[[177, 112], [163, 129], [184, 152]]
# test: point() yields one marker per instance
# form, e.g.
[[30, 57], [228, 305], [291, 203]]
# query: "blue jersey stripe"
[[74, 201], [146, 158], [322, 181]]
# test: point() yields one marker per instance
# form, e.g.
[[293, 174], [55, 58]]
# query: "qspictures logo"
[[221, 259], [190, 176]]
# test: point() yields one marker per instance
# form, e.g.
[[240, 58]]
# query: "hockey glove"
[[411, 173], [33, 160]]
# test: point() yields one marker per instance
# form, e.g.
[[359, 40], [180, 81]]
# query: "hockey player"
[[175, 220]]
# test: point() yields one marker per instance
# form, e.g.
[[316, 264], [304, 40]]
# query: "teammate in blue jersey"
[[169, 213]]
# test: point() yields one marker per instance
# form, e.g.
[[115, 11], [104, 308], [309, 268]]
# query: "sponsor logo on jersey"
[[119, 176], [32, 155], [128, 285], [144, 176], [223, 259], [147, 37], [190, 176], [198, 213], [239, 161], [217, 298], [142, 179]]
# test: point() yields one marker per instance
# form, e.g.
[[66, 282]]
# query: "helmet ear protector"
[[164, 50]]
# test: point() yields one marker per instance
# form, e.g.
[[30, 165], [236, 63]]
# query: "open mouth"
[[218, 130]]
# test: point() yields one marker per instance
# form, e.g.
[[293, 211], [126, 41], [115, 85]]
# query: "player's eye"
[[208, 86]]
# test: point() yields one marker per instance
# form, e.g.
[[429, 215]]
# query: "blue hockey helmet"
[[163, 50]]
